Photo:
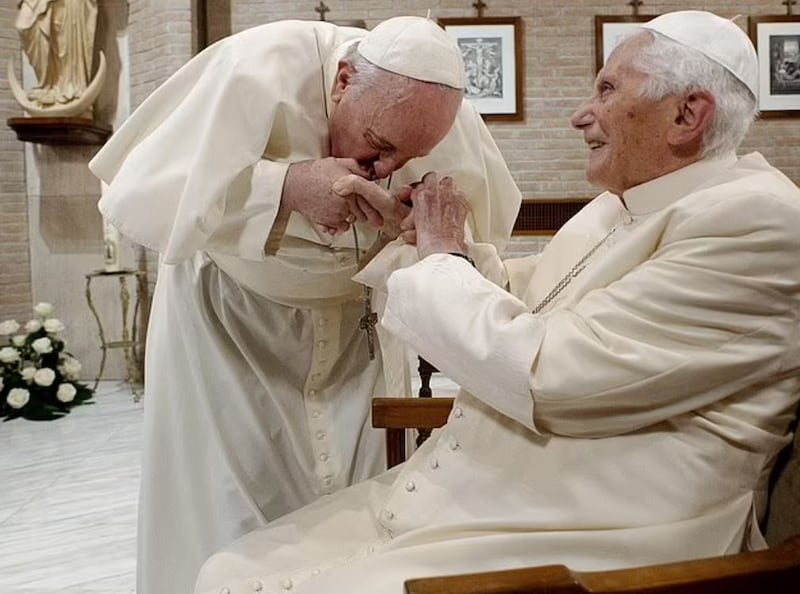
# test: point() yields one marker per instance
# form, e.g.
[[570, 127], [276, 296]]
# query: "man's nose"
[[384, 167], [582, 116]]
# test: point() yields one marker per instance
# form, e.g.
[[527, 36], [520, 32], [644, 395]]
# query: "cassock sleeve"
[[705, 318], [179, 171]]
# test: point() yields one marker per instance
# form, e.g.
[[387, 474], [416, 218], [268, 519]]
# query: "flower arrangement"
[[38, 378]]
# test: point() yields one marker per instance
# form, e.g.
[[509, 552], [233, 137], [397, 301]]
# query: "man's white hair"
[[673, 68]]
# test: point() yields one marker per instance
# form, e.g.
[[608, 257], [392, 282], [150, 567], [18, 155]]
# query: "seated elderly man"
[[623, 404]]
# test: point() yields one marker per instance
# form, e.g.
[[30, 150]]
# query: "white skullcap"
[[415, 47], [717, 38]]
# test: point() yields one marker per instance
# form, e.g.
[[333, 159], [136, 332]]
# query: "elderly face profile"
[[633, 138], [385, 120]]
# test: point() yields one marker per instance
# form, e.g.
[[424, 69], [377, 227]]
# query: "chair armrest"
[[771, 570], [398, 414], [405, 413]]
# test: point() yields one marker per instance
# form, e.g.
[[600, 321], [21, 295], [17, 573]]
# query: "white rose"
[[43, 309], [8, 327], [42, 345], [71, 368], [53, 325], [9, 355], [33, 326], [66, 393], [27, 373], [44, 377], [18, 340], [18, 397]]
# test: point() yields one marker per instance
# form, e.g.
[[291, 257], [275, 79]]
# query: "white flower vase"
[[110, 247]]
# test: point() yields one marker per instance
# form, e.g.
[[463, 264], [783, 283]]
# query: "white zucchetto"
[[719, 39], [415, 47]]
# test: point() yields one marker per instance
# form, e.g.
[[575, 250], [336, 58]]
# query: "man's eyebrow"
[[380, 142]]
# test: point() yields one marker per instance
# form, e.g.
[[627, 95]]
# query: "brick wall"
[[15, 269], [544, 154]]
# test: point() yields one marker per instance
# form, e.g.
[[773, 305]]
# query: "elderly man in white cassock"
[[624, 402], [259, 371]]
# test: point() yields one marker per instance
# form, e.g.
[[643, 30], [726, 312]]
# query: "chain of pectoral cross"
[[370, 318], [572, 274]]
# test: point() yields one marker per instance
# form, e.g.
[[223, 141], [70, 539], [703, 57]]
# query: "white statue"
[[58, 38]]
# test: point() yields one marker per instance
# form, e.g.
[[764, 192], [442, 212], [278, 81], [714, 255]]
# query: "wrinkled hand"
[[374, 204], [308, 189], [436, 223]]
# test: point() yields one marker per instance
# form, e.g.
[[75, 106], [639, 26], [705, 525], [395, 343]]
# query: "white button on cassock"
[[257, 586], [458, 412], [434, 463], [388, 514], [286, 584], [225, 590], [410, 486], [320, 434], [453, 443]]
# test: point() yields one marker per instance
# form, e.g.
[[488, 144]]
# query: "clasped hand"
[[333, 193]]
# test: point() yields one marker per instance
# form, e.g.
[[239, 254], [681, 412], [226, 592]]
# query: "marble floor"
[[68, 493]]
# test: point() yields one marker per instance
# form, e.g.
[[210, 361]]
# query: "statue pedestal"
[[60, 131]]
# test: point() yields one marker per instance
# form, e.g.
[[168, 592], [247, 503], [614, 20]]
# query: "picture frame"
[[777, 42], [609, 29], [493, 59]]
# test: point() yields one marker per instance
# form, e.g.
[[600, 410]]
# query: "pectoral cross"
[[368, 322]]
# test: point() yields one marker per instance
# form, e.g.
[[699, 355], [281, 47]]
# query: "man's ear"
[[344, 78], [695, 113]]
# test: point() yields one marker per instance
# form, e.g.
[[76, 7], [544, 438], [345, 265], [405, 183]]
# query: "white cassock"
[[258, 382], [635, 420]]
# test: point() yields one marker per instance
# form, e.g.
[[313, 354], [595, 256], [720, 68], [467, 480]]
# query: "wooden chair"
[[776, 569]]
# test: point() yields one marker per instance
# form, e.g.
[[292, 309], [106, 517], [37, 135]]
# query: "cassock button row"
[[458, 412], [410, 486], [257, 586], [434, 462], [453, 443], [287, 584]]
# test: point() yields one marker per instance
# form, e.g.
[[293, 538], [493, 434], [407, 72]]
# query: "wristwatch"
[[465, 256]]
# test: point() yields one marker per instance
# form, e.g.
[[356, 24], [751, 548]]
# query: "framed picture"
[[609, 31], [492, 50], [777, 41]]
